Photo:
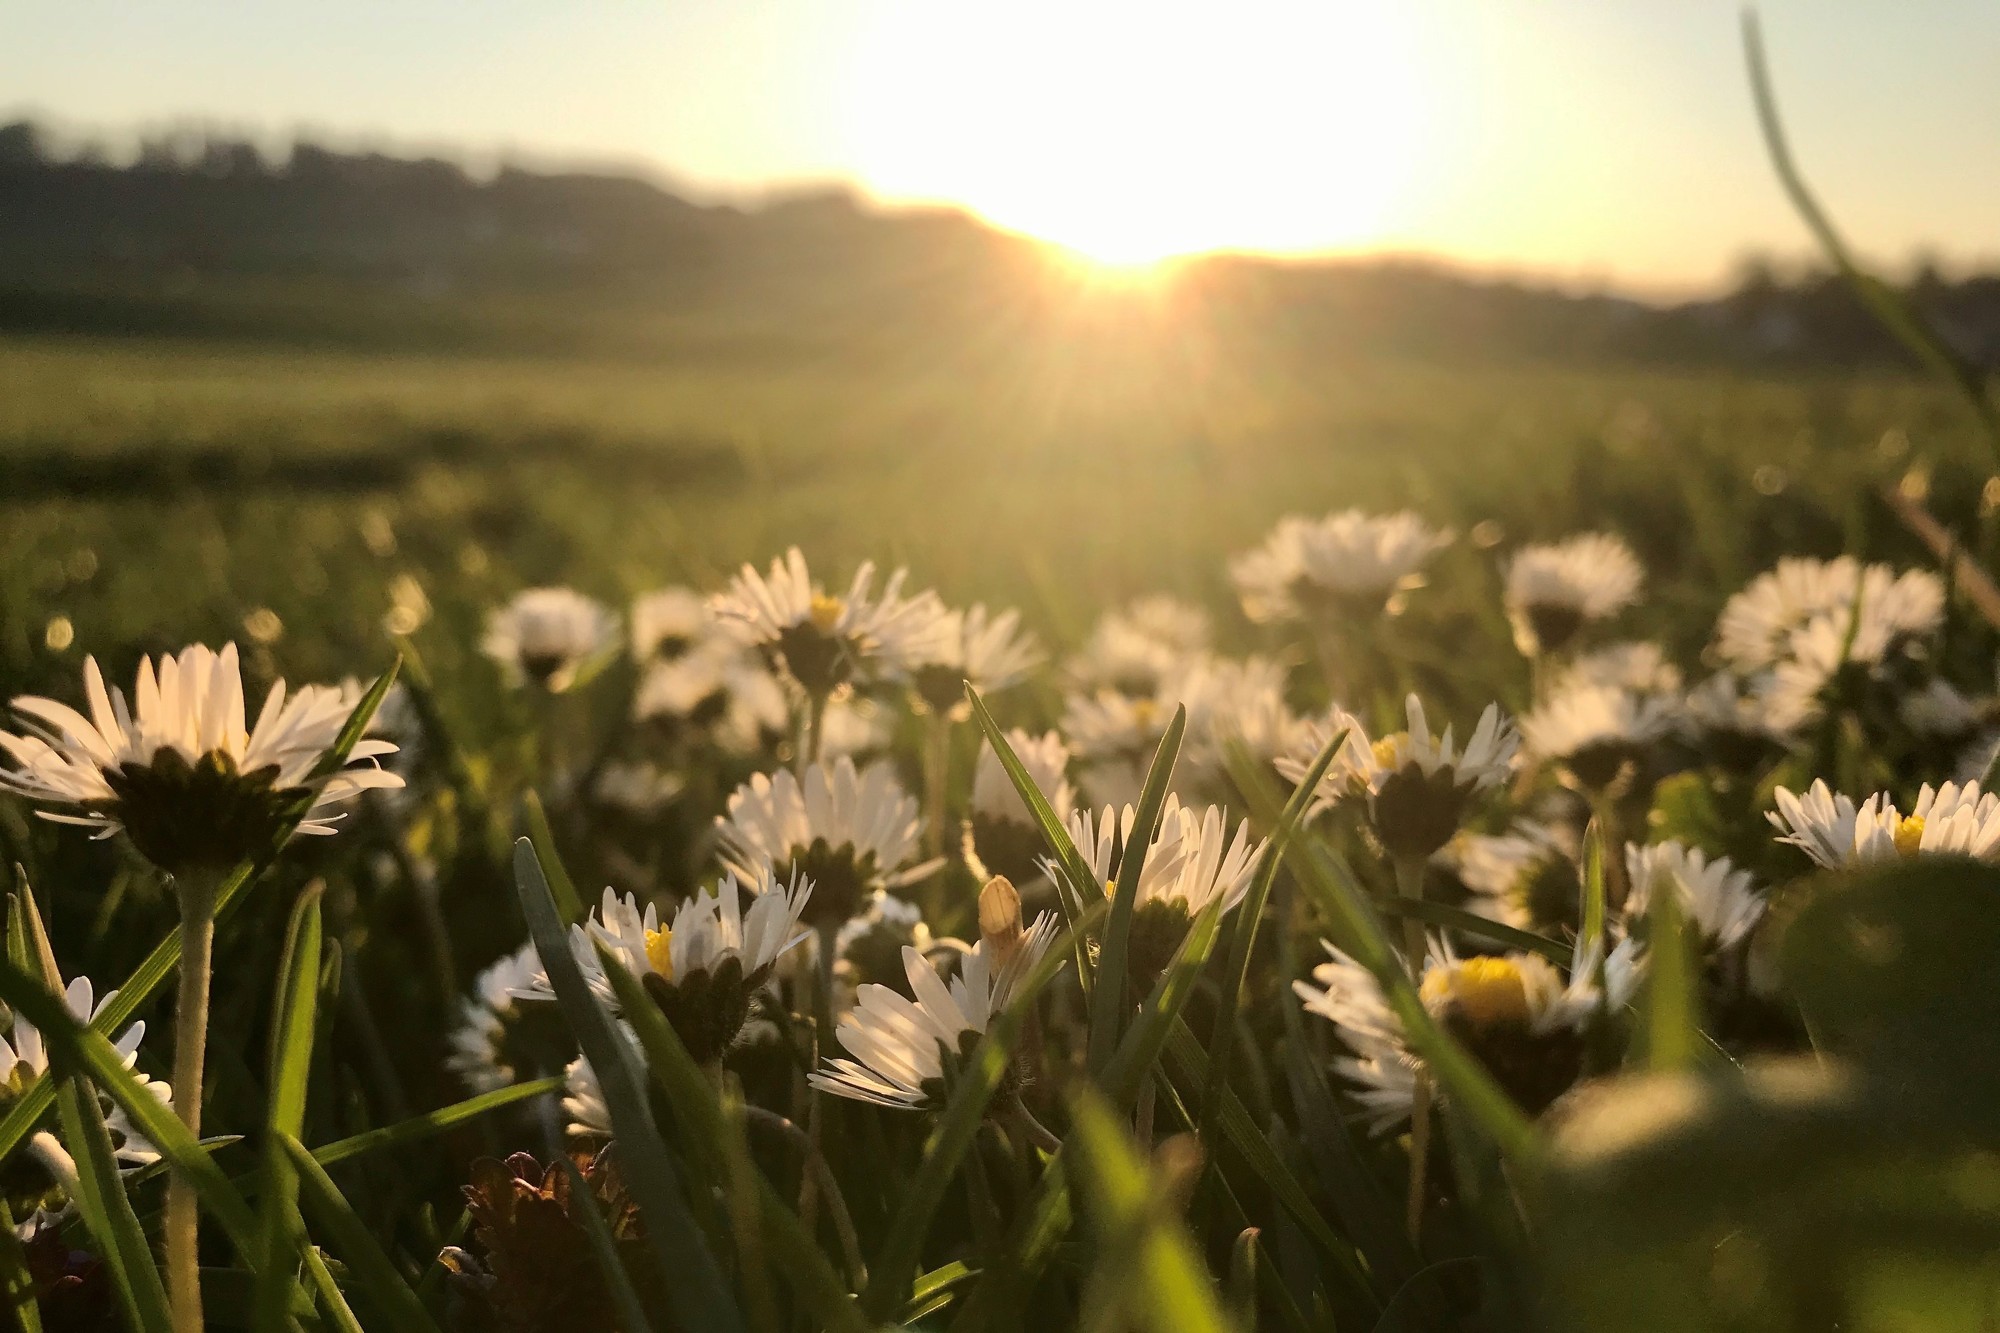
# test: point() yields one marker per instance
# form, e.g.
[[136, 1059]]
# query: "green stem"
[[183, 1233], [937, 772], [1410, 884], [812, 735]]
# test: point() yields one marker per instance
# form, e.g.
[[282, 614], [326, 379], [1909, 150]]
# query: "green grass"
[[158, 493]]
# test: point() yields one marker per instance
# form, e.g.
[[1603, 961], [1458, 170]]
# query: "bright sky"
[[1591, 140]]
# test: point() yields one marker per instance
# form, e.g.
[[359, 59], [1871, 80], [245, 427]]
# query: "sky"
[[1592, 142]]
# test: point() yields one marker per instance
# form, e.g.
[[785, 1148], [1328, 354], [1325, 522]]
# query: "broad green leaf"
[[374, 1275], [687, 1269], [624, 1297], [1108, 1000]]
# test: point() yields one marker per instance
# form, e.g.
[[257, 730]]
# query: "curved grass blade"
[[687, 1269], [431, 1123], [1139, 1053], [624, 1298], [1471, 923], [699, 1126], [1473, 1091], [536, 816], [1673, 1024], [17, 1284], [107, 1210], [934, 1290], [951, 1138], [1250, 918], [389, 1295], [291, 1066], [1148, 1267], [146, 979], [1107, 1002], [1890, 310], [1074, 874]]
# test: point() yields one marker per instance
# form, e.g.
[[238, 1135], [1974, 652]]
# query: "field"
[[324, 508]]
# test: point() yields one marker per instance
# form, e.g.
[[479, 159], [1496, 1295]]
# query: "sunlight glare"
[[1133, 132]]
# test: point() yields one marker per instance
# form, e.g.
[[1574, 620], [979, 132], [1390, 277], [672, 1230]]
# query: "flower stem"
[[1604, 809], [812, 733], [1410, 884], [183, 1235]]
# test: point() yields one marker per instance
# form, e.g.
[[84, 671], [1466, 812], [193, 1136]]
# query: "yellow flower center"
[[1488, 991], [1144, 711], [659, 952], [1909, 834], [1385, 752], [826, 612]]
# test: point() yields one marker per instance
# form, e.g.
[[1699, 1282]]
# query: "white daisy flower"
[[1720, 899], [1596, 731], [179, 772], [989, 651], [1232, 702], [856, 727], [640, 788], [1640, 666], [24, 1059], [716, 686], [1731, 711], [1837, 651], [1308, 569], [1554, 591], [1756, 627], [1001, 837], [498, 1040], [1525, 878], [824, 641], [1515, 1013], [703, 970], [1191, 862], [906, 1051], [1417, 785], [869, 948], [671, 622], [848, 831], [1113, 736], [1940, 712], [583, 1100], [547, 635], [1133, 650], [1952, 820]]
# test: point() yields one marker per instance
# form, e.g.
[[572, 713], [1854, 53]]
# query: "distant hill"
[[209, 239]]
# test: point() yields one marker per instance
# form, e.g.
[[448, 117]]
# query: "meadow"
[[333, 511]]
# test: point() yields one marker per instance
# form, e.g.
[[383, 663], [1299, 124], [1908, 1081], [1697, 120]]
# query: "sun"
[[1136, 132]]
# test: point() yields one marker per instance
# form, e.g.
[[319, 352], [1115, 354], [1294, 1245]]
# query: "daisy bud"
[[1000, 919]]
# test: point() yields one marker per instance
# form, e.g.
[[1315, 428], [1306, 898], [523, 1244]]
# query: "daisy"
[[1838, 657], [637, 788], [1417, 785], [1730, 715], [583, 1099], [1720, 899], [24, 1059], [848, 831], [1190, 863], [499, 1041], [1640, 666], [1234, 703], [1113, 736], [1514, 1013], [824, 641], [1755, 629], [1554, 591], [717, 687], [990, 652], [1598, 732], [179, 773], [1525, 878], [1310, 569], [1001, 837], [1952, 820], [907, 1049], [1939, 711], [547, 636], [869, 947], [1132, 651], [704, 969], [669, 623]]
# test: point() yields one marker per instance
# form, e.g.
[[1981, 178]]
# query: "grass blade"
[[624, 1297], [1148, 1270], [700, 1127], [291, 1067], [389, 1294], [568, 902], [432, 1123], [1250, 918], [687, 1269], [1074, 875], [1107, 1002], [1139, 1053], [1471, 923], [1673, 1025], [951, 1138], [107, 1210]]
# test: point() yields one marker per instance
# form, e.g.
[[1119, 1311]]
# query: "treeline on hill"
[[208, 237]]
